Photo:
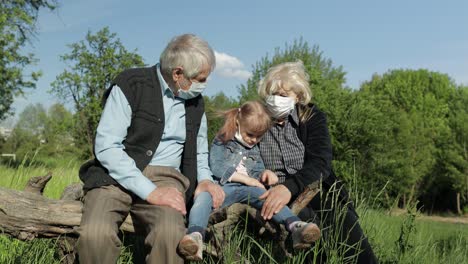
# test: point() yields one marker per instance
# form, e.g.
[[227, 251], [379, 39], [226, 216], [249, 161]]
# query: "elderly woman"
[[298, 149]]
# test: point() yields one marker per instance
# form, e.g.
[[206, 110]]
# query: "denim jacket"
[[224, 159]]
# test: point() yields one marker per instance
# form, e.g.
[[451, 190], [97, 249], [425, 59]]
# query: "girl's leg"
[[200, 213], [191, 245], [203, 206], [250, 194]]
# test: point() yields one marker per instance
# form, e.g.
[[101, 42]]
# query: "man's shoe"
[[304, 234], [191, 246]]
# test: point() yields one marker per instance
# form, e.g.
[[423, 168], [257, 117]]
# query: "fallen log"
[[27, 215]]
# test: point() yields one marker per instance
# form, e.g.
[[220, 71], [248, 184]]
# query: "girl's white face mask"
[[279, 106], [241, 140]]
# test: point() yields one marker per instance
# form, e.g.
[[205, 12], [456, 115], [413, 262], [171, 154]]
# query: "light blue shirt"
[[112, 130]]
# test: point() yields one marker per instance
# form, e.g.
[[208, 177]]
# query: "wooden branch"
[[305, 197], [37, 184], [28, 215]]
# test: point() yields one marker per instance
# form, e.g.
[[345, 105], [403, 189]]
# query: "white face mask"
[[279, 106], [194, 90], [239, 138]]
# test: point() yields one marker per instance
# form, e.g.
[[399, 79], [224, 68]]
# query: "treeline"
[[401, 136]]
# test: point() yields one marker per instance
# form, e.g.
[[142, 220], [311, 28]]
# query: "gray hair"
[[291, 76], [187, 51]]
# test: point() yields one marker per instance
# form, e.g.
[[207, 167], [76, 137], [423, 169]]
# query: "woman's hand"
[[275, 199], [269, 178]]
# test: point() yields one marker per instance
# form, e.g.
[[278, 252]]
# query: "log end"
[[37, 184]]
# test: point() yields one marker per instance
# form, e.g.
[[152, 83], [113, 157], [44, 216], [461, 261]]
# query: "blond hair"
[[252, 115], [289, 76]]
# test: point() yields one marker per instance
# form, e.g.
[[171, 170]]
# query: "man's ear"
[[177, 73]]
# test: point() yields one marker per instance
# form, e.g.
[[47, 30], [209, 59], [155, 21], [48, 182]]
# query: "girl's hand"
[[254, 182], [269, 178]]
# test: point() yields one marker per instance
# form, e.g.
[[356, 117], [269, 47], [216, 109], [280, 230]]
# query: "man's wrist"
[[204, 180]]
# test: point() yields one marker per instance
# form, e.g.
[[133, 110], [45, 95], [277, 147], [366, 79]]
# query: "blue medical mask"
[[194, 90]]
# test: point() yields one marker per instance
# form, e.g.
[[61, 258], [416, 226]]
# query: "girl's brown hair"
[[252, 115]]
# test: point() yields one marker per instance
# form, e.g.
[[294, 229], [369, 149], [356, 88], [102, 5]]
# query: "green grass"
[[428, 242], [63, 175], [36, 251], [395, 239]]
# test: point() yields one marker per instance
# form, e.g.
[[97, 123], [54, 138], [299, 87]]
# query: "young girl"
[[236, 163]]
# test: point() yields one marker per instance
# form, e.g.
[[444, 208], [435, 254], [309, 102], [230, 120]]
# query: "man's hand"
[[214, 189], [269, 178], [275, 199], [168, 196]]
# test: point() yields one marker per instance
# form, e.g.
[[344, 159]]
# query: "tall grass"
[[63, 174], [395, 239]]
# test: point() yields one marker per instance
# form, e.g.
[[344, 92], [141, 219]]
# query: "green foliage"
[[407, 131], [213, 107], [35, 251], [42, 134], [92, 65], [17, 27], [27, 133], [405, 241]]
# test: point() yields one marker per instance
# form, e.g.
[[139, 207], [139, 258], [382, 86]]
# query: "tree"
[[58, 133], [458, 165], [92, 65], [33, 119], [28, 132], [42, 134], [448, 182], [409, 145], [59, 124], [17, 27]]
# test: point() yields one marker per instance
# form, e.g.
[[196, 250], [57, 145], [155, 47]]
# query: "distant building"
[[5, 132]]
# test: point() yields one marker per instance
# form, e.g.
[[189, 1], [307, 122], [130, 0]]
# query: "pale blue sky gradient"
[[365, 37]]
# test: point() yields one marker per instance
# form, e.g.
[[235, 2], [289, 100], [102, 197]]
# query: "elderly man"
[[151, 155]]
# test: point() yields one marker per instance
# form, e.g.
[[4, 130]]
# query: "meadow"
[[406, 238]]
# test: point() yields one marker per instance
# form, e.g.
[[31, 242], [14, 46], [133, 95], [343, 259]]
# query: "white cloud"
[[230, 67]]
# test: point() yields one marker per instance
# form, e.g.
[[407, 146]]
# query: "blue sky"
[[363, 36]]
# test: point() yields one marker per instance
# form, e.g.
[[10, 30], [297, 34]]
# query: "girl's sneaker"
[[191, 246], [304, 234]]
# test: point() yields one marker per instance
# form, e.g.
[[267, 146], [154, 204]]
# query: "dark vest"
[[142, 89]]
